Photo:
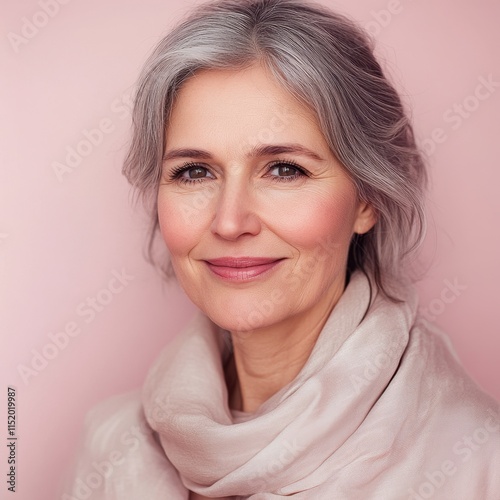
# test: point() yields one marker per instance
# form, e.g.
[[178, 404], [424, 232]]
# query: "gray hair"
[[327, 61]]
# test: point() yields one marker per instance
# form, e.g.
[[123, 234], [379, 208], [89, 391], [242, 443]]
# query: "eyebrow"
[[256, 151]]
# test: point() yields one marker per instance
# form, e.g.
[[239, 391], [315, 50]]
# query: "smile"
[[241, 269]]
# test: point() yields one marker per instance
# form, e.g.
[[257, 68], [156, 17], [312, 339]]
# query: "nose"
[[235, 211]]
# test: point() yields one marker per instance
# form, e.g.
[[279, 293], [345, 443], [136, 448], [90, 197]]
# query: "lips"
[[241, 261], [241, 268]]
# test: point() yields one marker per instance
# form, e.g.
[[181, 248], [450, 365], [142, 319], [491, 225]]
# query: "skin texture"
[[238, 206]]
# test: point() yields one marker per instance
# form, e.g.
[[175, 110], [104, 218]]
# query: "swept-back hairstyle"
[[326, 61]]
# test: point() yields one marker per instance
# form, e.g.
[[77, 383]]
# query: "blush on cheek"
[[322, 222], [183, 224], [172, 228]]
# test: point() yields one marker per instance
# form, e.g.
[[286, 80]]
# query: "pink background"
[[61, 241]]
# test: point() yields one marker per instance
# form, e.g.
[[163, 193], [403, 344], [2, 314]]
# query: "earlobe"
[[366, 218]]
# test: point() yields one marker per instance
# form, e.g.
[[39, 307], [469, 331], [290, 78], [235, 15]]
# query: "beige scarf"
[[381, 410]]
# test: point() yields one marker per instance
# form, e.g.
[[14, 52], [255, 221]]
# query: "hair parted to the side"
[[325, 60]]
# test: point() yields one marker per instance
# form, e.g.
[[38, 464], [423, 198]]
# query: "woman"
[[283, 176]]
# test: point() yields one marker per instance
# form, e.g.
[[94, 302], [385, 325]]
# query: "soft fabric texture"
[[381, 410]]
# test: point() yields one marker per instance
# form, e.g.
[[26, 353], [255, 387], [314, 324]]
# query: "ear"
[[365, 218]]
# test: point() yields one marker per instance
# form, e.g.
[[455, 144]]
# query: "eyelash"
[[176, 173]]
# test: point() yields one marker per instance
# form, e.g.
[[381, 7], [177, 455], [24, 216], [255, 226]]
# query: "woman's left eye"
[[283, 171]]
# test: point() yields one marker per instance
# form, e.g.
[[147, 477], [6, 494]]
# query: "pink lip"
[[241, 268]]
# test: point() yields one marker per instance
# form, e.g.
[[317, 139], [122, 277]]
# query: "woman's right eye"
[[196, 172], [190, 173]]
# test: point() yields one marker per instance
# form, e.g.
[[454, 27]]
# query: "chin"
[[237, 317]]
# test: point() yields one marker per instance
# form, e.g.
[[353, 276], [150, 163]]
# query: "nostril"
[[232, 220]]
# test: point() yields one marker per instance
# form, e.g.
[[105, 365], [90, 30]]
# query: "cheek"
[[318, 219], [181, 221]]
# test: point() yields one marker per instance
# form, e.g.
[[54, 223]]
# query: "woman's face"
[[248, 178]]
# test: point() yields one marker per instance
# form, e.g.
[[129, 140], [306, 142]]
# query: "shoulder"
[[456, 412], [435, 352], [120, 456], [115, 421], [431, 358]]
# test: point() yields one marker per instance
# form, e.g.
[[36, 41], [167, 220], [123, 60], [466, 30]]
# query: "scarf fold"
[[382, 409]]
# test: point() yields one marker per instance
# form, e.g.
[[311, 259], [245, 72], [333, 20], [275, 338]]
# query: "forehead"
[[246, 105]]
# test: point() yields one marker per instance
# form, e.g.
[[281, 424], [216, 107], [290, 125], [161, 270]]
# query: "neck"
[[265, 360]]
